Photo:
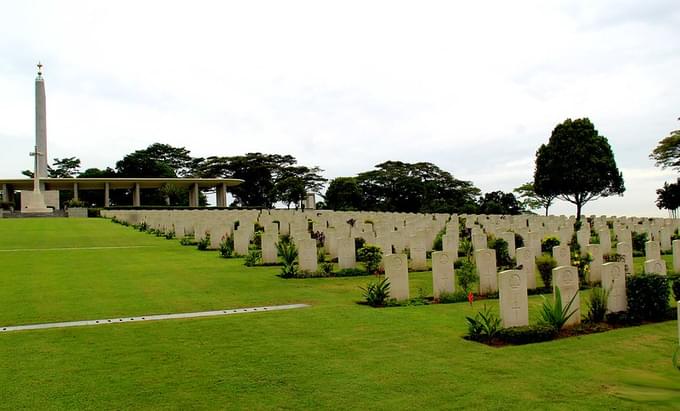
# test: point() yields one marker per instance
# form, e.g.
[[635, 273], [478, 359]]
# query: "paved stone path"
[[152, 317]]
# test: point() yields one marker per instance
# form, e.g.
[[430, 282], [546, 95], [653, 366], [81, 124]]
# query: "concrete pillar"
[[75, 191], [5, 192], [136, 196], [193, 195], [221, 195], [40, 124], [107, 195]]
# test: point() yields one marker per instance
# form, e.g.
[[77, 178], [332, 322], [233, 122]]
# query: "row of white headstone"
[[512, 286], [394, 232]]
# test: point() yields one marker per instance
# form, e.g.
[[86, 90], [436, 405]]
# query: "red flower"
[[471, 298]]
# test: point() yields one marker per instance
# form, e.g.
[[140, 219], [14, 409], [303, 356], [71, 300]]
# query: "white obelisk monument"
[[34, 201]]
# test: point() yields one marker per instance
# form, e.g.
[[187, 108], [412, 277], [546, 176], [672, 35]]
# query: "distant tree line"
[[576, 165]]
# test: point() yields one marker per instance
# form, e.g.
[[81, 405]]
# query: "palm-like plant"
[[289, 253], [484, 326], [554, 314], [376, 293]]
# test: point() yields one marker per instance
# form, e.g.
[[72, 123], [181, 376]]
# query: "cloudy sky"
[[474, 87]]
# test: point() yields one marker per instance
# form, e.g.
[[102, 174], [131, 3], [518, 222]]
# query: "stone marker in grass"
[[566, 279], [396, 272], [513, 299], [443, 277], [614, 281]]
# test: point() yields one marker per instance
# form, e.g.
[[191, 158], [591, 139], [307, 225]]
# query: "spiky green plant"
[[484, 326], [554, 314], [289, 253], [597, 304], [377, 292]]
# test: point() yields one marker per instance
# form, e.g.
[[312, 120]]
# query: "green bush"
[[326, 269], [226, 247], [457, 297], [519, 241], [349, 272], [548, 243], [582, 263], [465, 248], [377, 292], [483, 326], [527, 334], [503, 259], [676, 289], [371, 256], [647, 296], [597, 304], [188, 240], [252, 258], [204, 243], [613, 258], [289, 253], [94, 212], [467, 275], [170, 234], [545, 265], [554, 314], [639, 240], [438, 244]]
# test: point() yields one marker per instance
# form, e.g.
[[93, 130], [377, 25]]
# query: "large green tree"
[[667, 152], [577, 165], [269, 178], [669, 198], [417, 187], [64, 167], [343, 194], [159, 161], [498, 202], [530, 200]]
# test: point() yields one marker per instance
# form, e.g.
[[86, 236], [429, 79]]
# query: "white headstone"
[[269, 252], [655, 267], [595, 251], [652, 250], [605, 240], [614, 281], [566, 279], [676, 256], [509, 238], [626, 250], [525, 259], [479, 241], [443, 278], [346, 253], [485, 260], [513, 299], [307, 256], [562, 254], [396, 272]]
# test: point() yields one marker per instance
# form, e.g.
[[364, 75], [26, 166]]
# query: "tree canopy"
[[64, 167], [669, 197], [498, 202], [532, 201], [405, 187], [577, 165], [667, 152], [269, 178], [344, 194]]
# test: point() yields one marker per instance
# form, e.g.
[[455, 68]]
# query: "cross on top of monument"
[[40, 66]]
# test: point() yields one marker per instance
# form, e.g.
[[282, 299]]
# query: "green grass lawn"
[[334, 355]]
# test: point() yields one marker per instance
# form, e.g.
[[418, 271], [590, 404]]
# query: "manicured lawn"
[[334, 355]]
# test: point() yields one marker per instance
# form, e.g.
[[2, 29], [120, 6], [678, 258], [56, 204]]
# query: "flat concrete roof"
[[116, 183]]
